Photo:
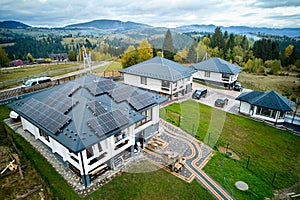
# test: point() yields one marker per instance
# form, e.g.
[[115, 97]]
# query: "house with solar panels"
[[269, 106], [161, 75], [93, 125], [216, 70]]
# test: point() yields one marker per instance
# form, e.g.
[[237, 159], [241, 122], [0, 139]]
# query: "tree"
[[289, 50], [145, 51], [201, 51], [192, 55], [181, 56], [130, 57], [4, 61], [30, 57], [217, 39], [72, 56], [168, 46]]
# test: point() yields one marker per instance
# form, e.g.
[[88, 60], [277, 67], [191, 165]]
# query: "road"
[[102, 64]]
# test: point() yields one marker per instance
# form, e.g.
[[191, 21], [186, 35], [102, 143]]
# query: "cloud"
[[276, 4], [169, 13]]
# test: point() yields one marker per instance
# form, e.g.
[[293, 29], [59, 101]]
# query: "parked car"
[[35, 81], [238, 87], [199, 93], [221, 102]]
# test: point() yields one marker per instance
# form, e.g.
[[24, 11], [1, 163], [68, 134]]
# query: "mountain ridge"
[[114, 26]]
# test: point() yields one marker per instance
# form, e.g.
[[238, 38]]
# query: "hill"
[[13, 25], [113, 25], [290, 32]]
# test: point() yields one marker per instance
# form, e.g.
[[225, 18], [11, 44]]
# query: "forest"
[[269, 55]]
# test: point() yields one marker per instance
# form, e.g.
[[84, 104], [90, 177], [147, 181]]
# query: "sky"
[[161, 13]]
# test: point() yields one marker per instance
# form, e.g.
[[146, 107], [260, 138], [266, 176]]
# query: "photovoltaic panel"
[[60, 102], [45, 116], [96, 108], [69, 88], [100, 87], [141, 101], [123, 93], [107, 122]]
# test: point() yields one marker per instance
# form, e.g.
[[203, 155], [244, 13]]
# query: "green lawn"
[[112, 67], [270, 150]]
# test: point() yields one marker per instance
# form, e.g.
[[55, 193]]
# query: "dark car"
[[200, 93], [221, 102], [238, 87]]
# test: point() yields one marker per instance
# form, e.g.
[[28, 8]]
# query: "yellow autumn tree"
[[145, 51]]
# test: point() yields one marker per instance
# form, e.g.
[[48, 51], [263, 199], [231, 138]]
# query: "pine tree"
[[168, 47], [192, 54]]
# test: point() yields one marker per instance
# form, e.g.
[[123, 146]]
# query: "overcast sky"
[[167, 13]]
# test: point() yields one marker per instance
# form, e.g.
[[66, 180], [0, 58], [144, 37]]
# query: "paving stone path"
[[196, 154]]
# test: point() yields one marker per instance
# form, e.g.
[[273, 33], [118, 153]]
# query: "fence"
[[17, 92]]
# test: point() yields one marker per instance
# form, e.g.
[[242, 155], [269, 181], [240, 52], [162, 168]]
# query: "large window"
[[207, 74], [148, 118], [143, 80], [266, 112]]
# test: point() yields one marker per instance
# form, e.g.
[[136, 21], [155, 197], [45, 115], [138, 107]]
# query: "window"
[[207, 74], [148, 118], [89, 152], [143, 80], [266, 112], [281, 115], [165, 84], [45, 135]]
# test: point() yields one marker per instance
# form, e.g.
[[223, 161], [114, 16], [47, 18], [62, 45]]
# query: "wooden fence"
[[16, 92]]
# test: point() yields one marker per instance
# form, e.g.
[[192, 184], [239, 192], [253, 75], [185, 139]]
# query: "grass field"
[[286, 85], [15, 76], [112, 67], [268, 149]]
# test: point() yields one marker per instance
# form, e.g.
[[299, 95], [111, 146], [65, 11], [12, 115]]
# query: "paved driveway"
[[213, 94]]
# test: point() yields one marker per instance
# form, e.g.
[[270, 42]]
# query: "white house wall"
[[214, 76], [217, 77], [55, 146], [30, 127], [156, 84], [245, 108], [152, 84]]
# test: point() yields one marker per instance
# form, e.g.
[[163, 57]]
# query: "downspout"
[[85, 184]]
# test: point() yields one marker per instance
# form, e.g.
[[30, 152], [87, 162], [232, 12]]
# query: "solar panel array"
[[141, 100], [69, 88], [96, 108], [47, 117], [123, 93], [60, 102], [107, 122], [101, 87]]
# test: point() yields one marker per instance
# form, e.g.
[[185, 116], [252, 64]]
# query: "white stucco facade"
[[215, 77], [163, 87]]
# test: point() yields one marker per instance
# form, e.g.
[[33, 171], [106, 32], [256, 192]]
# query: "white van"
[[32, 82]]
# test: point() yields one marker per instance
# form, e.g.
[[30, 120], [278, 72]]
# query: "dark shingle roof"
[[160, 68], [217, 65], [269, 99], [82, 103]]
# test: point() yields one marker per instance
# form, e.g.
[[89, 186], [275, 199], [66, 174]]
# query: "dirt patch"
[[232, 154]]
